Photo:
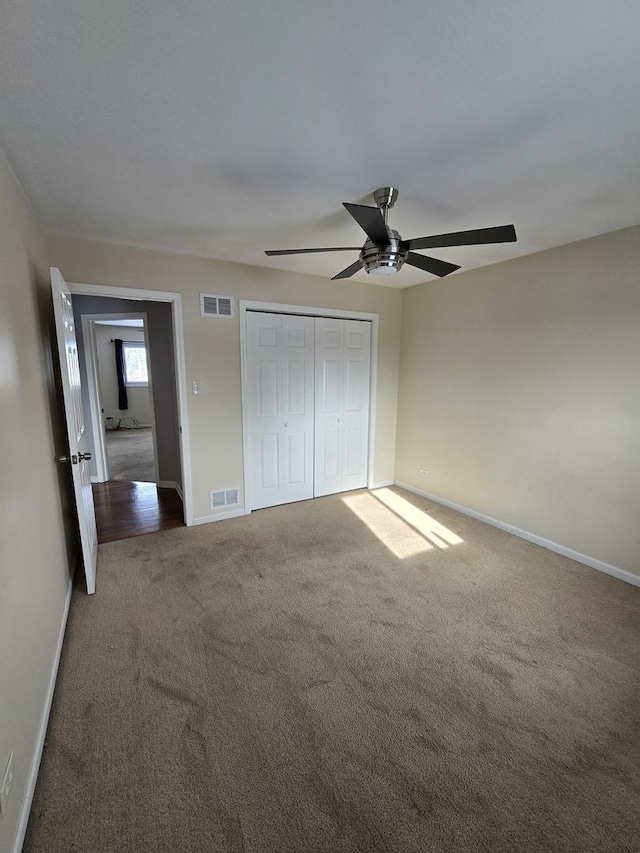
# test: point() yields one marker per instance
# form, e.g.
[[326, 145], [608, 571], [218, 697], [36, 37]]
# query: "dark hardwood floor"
[[125, 509]]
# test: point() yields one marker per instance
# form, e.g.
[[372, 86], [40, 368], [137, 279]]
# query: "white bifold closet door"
[[342, 377], [280, 381]]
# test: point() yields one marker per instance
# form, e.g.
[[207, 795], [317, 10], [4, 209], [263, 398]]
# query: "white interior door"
[[280, 354], [342, 379], [78, 454]]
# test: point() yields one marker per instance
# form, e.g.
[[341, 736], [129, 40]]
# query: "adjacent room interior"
[[318, 534], [133, 467], [129, 428]]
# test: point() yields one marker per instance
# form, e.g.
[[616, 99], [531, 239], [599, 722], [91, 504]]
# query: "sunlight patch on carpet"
[[398, 536], [418, 519]]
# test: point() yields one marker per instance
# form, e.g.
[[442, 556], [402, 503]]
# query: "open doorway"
[[121, 398], [135, 420]]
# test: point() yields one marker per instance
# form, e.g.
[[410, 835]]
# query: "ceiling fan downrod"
[[385, 198], [384, 259]]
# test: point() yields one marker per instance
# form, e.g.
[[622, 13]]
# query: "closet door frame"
[[246, 305]]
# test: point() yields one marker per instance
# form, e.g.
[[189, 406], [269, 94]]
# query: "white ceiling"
[[222, 128], [137, 324]]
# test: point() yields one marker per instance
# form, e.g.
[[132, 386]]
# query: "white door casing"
[[280, 350], [175, 301], [93, 388], [342, 382], [70, 372]]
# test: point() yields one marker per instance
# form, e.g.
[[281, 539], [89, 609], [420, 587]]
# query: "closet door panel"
[[269, 461], [330, 386], [328, 415], [280, 358], [296, 456], [355, 415], [353, 439], [342, 404], [297, 382], [268, 387], [331, 454], [263, 341]]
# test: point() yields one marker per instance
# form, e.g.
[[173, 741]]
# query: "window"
[[135, 363]]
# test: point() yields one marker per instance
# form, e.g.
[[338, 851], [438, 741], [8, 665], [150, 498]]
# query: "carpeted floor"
[[322, 677], [130, 454]]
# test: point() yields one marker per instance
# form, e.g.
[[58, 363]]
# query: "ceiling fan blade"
[[500, 234], [432, 265], [349, 271], [271, 252], [371, 220]]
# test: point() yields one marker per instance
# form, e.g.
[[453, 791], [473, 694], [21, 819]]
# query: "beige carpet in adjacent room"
[[346, 674], [130, 454]]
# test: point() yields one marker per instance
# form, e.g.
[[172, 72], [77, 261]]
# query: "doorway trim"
[[246, 305], [175, 300], [95, 396]]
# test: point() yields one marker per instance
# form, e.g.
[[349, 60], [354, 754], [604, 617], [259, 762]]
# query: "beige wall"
[[35, 552], [212, 345], [520, 394]]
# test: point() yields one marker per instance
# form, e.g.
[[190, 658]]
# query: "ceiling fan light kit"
[[384, 252], [383, 260]]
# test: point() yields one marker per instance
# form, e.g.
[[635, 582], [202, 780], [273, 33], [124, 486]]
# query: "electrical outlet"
[[6, 786], [423, 472]]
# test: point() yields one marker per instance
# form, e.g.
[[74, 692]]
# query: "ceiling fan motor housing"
[[385, 197], [384, 260]]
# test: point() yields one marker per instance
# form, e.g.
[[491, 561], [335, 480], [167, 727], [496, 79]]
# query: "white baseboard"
[[621, 574], [232, 513], [42, 731], [382, 485]]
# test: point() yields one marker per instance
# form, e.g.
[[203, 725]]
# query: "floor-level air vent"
[[223, 497], [215, 306]]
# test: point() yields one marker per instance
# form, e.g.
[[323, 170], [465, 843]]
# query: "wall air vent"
[[215, 306], [223, 497]]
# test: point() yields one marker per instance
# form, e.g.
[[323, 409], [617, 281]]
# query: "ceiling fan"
[[385, 251]]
